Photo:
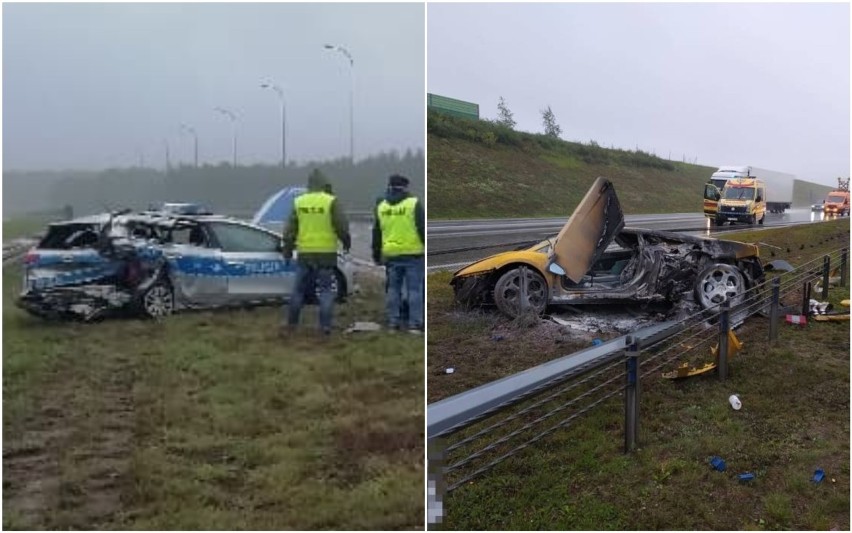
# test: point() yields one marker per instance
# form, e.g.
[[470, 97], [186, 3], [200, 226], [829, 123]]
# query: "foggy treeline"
[[219, 187]]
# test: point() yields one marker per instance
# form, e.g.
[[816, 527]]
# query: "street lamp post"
[[280, 93], [348, 56], [231, 115], [168, 159], [191, 131]]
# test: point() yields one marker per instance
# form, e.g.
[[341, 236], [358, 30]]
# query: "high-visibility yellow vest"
[[399, 229], [316, 229]]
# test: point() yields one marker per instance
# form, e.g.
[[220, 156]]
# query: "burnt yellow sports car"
[[596, 260]]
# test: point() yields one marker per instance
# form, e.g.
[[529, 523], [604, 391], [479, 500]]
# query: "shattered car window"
[[70, 236], [237, 238]]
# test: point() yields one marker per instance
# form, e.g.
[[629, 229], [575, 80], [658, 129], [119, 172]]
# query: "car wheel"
[[158, 300], [719, 283], [507, 291], [720, 222]]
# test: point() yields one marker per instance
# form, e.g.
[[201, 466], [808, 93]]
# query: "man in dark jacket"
[[315, 226], [398, 243]]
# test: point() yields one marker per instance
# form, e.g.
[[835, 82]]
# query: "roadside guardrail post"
[[722, 352], [435, 485], [774, 310], [806, 298], [826, 267], [843, 266], [631, 394]]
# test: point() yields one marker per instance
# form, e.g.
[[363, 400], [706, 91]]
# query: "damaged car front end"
[[155, 263], [595, 260]]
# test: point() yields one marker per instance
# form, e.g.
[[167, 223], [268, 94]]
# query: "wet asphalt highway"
[[453, 244]]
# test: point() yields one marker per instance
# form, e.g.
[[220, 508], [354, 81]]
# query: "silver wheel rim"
[[719, 284], [511, 291], [158, 301]]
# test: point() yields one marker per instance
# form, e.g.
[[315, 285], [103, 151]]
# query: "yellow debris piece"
[[845, 303], [684, 371], [734, 345], [830, 318]]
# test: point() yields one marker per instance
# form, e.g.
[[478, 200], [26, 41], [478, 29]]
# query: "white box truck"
[[779, 187]]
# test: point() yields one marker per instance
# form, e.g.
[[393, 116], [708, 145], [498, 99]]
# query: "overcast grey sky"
[[765, 85], [92, 85]]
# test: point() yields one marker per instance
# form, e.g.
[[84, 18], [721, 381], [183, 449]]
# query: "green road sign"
[[451, 106]]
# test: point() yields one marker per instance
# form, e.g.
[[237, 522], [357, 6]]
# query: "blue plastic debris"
[[718, 463], [818, 476], [746, 476], [596, 342], [497, 337]]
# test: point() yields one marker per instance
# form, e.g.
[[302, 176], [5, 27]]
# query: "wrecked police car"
[[155, 263], [595, 260]]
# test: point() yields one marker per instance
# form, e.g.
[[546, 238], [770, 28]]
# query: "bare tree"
[[551, 128], [504, 115]]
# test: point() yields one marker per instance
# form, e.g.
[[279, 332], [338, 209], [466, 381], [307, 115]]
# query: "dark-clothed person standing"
[[398, 243], [315, 226]]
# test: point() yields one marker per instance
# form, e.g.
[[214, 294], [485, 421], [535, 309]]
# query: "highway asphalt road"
[[454, 243]]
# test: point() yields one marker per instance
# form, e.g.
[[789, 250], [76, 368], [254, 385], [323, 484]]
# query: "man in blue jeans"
[[398, 243], [315, 225]]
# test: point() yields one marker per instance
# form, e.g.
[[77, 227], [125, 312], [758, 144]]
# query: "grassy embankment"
[[480, 170], [210, 421], [25, 226], [795, 419]]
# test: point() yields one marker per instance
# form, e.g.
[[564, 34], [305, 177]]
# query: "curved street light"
[[191, 131], [347, 55], [280, 93], [231, 115]]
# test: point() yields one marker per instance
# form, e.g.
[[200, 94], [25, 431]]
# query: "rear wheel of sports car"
[[158, 300], [507, 292], [719, 283]]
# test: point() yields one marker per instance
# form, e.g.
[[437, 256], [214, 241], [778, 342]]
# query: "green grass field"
[[480, 170], [24, 226], [795, 419], [210, 421]]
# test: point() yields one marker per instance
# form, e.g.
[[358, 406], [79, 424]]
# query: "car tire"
[[158, 300], [718, 283], [720, 222], [507, 292]]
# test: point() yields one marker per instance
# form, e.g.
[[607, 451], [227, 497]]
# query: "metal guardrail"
[[457, 411], [474, 431]]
